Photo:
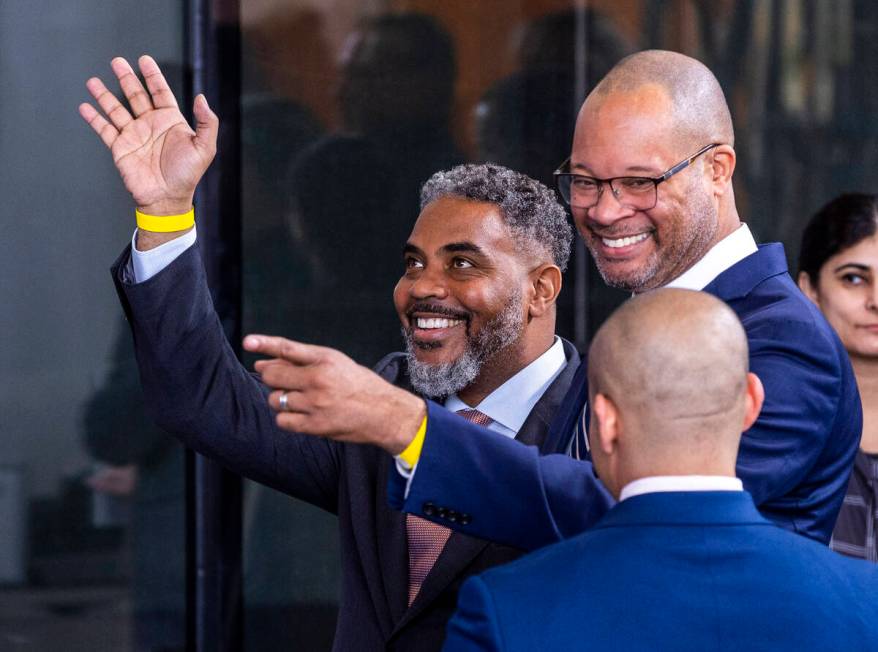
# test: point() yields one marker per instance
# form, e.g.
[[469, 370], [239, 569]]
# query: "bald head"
[[672, 367], [701, 114]]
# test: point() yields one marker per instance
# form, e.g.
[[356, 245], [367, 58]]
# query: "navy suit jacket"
[[795, 460], [674, 571], [196, 389]]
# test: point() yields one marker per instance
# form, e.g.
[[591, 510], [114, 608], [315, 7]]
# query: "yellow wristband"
[[165, 223], [412, 453]]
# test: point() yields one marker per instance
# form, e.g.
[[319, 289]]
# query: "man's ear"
[[808, 288], [606, 414], [755, 398], [546, 283], [721, 168]]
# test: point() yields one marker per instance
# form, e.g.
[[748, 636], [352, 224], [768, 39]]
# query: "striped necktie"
[[425, 538]]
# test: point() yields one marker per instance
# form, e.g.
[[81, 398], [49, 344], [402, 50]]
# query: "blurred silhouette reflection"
[[145, 464], [526, 120], [355, 193]]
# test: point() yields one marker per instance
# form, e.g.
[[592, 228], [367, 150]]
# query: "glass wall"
[[91, 494], [349, 106]]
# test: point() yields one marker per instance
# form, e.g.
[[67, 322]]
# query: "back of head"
[[557, 41], [700, 109], [399, 75], [674, 363], [526, 121]]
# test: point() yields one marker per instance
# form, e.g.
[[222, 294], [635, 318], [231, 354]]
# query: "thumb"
[[206, 125]]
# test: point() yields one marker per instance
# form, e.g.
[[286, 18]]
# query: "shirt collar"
[[510, 404], [661, 483], [733, 248]]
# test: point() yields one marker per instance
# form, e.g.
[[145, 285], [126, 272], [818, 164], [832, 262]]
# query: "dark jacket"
[[198, 390]]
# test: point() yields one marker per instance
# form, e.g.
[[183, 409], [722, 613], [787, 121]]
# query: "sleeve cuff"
[[147, 264]]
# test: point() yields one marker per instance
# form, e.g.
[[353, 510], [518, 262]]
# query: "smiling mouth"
[[626, 241], [433, 323]]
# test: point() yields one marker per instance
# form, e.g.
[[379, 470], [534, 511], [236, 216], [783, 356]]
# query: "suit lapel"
[[569, 410], [535, 430], [392, 546], [461, 549], [740, 279], [390, 531]]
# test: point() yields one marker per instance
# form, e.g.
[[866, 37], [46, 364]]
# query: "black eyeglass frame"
[[664, 176]]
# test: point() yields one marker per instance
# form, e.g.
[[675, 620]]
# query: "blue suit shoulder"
[[797, 458], [674, 571]]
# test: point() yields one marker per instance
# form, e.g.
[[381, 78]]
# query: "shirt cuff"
[[408, 474], [407, 461], [147, 264]]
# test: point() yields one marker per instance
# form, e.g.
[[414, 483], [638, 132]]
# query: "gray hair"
[[530, 210]]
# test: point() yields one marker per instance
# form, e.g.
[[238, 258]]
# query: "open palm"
[[160, 158]]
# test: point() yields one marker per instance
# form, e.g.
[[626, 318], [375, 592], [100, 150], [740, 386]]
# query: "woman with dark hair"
[[838, 271]]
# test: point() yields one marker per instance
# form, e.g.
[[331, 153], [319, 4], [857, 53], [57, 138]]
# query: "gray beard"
[[440, 380]]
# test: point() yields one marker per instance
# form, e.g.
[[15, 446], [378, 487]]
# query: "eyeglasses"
[[639, 193]]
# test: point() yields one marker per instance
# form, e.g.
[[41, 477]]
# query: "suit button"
[[442, 512], [465, 519], [429, 509], [452, 516]]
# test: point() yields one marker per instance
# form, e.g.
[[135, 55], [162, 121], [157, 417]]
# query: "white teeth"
[[423, 322], [624, 242]]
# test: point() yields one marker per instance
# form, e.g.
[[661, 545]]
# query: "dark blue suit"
[[795, 460], [674, 571]]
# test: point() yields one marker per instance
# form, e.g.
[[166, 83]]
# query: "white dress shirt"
[[510, 404], [147, 264], [730, 250], [663, 483]]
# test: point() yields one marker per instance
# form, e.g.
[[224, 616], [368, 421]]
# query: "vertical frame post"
[[214, 495]]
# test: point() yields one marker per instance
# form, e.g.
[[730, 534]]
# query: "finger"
[[111, 106], [280, 347], [96, 121], [284, 377], [136, 95], [292, 421], [206, 125], [295, 401], [261, 365], [162, 95]]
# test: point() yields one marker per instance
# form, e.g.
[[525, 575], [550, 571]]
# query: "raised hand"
[[330, 395], [161, 159]]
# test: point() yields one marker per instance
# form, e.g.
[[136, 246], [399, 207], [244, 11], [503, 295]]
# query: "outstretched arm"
[[159, 156], [468, 478]]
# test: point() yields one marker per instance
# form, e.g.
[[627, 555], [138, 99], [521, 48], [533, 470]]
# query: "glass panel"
[[91, 494], [346, 112]]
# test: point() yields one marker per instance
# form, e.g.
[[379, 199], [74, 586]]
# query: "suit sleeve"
[[796, 458], [196, 389], [502, 490], [474, 626]]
